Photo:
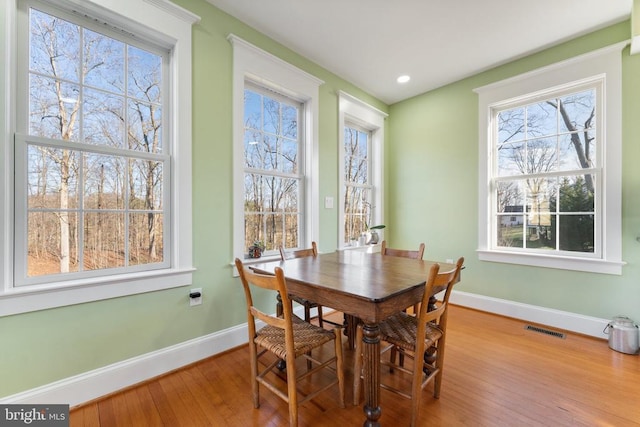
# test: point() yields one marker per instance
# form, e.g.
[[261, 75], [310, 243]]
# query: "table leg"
[[371, 374], [350, 326]]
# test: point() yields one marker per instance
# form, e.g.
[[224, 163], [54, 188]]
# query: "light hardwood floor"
[[496, 373]]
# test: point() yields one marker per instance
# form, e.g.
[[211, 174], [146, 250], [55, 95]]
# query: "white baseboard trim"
[[94, 384], [91, 385], [567, 321], [102, 381]]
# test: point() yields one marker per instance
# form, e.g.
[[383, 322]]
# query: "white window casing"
[[159, 22], [602, 69], [253, 64], [353, 110]]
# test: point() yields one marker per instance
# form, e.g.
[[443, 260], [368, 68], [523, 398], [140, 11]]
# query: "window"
[[358, 188], [552, 183], [361, 177], [95, 153], [273, 178], [275, 139], [92, 154]]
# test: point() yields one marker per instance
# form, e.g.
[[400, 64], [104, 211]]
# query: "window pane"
[[290, 121], [579, 109], [104, 182], [145, 127], [52, 239], [103, 62], [542, 120], [541, 194], [53, 108], [269, 153], [583, 157], [357, 212], [103, 240], [512, 159], [539, 234], [52, 178], [510, 197], [291, 231], [510, 231], [54, 47], [145, 178], [274, 231], [253, 229], [271, 118], [252, 110], [144, 75], [103, 118], [576, 193], [146, 238], [356, 146], [290, 156], [577, 233], [542, 155], [510, 125], [271, 210]]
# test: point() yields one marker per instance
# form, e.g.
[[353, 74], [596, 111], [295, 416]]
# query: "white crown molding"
[[175, 10]]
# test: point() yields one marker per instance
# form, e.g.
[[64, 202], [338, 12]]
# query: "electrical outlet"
[[195, 296], [449, 261]]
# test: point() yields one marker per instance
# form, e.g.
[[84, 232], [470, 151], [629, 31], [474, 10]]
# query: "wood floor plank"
[[496, 373]]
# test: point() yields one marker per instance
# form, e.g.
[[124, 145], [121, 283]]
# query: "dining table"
[[369, 287]]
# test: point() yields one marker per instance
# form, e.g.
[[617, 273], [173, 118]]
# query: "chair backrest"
[[443, 282], [274, 282], [312, 251], [384, 250]]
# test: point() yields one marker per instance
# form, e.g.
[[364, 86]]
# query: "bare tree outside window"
[[272, 177], [545, 180], [358, 186], [94, 147]]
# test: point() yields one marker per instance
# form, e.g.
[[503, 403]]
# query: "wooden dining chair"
[[413, 335], [384, 250], [288, 338], [308, 305]]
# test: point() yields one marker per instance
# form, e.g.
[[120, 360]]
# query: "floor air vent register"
[[545, 331]]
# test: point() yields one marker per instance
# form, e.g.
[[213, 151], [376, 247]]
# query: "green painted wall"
[[42, 347], [433, 196]]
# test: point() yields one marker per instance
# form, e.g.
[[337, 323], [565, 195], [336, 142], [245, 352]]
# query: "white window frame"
[[299, 175], [162, 23], [601, 65], [253, 64], [353, 110]]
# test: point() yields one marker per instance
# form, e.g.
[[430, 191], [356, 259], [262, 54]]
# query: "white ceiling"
[[371, 42]]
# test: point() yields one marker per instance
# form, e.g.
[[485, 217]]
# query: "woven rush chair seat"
[[401, 330], [306, 337]]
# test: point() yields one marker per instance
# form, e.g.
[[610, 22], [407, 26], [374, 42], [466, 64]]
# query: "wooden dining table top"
[[366, 285]]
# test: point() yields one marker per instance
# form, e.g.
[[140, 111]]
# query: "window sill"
[[370, 249], [588, 265], [40, 297]]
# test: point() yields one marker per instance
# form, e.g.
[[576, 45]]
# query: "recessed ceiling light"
[[403, 79]]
